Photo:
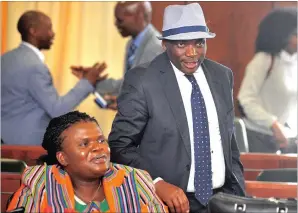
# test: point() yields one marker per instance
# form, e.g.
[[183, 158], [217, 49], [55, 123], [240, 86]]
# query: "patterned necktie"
[[202, 156], [130, 56]]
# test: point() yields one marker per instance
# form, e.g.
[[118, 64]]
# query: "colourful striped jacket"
[[49, 189]]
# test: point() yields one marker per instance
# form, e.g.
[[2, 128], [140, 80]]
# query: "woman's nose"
[[96, 146]]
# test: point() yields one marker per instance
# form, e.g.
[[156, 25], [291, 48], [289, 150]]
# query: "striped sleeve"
[[31, 190], [22, 198], [147, 192]]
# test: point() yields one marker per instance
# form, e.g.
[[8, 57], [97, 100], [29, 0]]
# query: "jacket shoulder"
[[14, 59], [34, 175], [154, 40], [138, 71], [216, 65]]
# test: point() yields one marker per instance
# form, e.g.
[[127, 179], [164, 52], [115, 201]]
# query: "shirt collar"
[[284, 55], [139, 38], [39, 54]]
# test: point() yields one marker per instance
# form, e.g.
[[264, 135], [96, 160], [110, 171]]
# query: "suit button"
[[188, 167]]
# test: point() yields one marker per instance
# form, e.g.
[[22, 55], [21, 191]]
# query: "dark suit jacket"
[[150, 130]]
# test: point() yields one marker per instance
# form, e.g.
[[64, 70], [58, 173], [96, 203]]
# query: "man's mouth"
[[190, 65]]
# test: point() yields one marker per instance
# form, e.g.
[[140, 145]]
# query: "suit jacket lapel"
[[217, 91], [173, 95]]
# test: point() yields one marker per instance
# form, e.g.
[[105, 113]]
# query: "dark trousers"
[[258, 142], [195, 205]]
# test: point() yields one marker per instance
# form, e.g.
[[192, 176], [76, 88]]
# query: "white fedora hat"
[[184, 22]]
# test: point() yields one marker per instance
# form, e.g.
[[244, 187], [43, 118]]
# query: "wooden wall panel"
[[28, 154], [235, 25], [158, 10], [285, 4]]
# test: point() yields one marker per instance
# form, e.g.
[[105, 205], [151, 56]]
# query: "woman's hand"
[[279, 135]]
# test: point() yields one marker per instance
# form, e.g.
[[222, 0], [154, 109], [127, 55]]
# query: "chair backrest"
[[17, 210], [11, 171], [241, 135], [12, 165], [271, 189], [9, 200], [254, 160], [278, 175], [28, 154], [10, 182]]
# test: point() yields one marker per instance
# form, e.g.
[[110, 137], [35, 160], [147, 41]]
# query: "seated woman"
[[78, 177]]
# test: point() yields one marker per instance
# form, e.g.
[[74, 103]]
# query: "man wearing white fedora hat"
[[175, 117]]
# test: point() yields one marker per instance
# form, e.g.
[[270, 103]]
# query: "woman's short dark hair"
[[52, 138], [275, 30]]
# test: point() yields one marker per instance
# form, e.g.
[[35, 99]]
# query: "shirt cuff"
[[86, 84], [157, 179]]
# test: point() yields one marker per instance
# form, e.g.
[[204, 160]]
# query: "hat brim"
[[188, 36]]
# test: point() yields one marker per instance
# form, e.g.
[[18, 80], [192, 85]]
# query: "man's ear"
[[62, 159], [32, 31], [139, 12]]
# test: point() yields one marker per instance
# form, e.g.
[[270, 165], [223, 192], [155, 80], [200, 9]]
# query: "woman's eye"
[[84, 144], [101, 140]]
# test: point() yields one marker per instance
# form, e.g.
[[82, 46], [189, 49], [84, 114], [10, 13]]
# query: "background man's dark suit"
[[150, 130]]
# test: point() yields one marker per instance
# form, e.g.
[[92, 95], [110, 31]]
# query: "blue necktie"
[[202, 155], [130, 56]]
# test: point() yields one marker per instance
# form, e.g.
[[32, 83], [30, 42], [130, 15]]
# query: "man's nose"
[[191, 51]]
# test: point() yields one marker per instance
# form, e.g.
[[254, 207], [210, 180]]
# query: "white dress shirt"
[[217, 157], [35, 50]]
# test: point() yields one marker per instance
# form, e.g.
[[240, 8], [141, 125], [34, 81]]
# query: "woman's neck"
[[88, 190]]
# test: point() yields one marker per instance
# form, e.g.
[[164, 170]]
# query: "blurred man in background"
[[28, 98], [132, 19]]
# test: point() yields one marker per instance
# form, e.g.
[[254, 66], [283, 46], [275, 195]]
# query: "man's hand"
[[78, 71], [173, 196], [279, 135], [82, 72], [112, 99]]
